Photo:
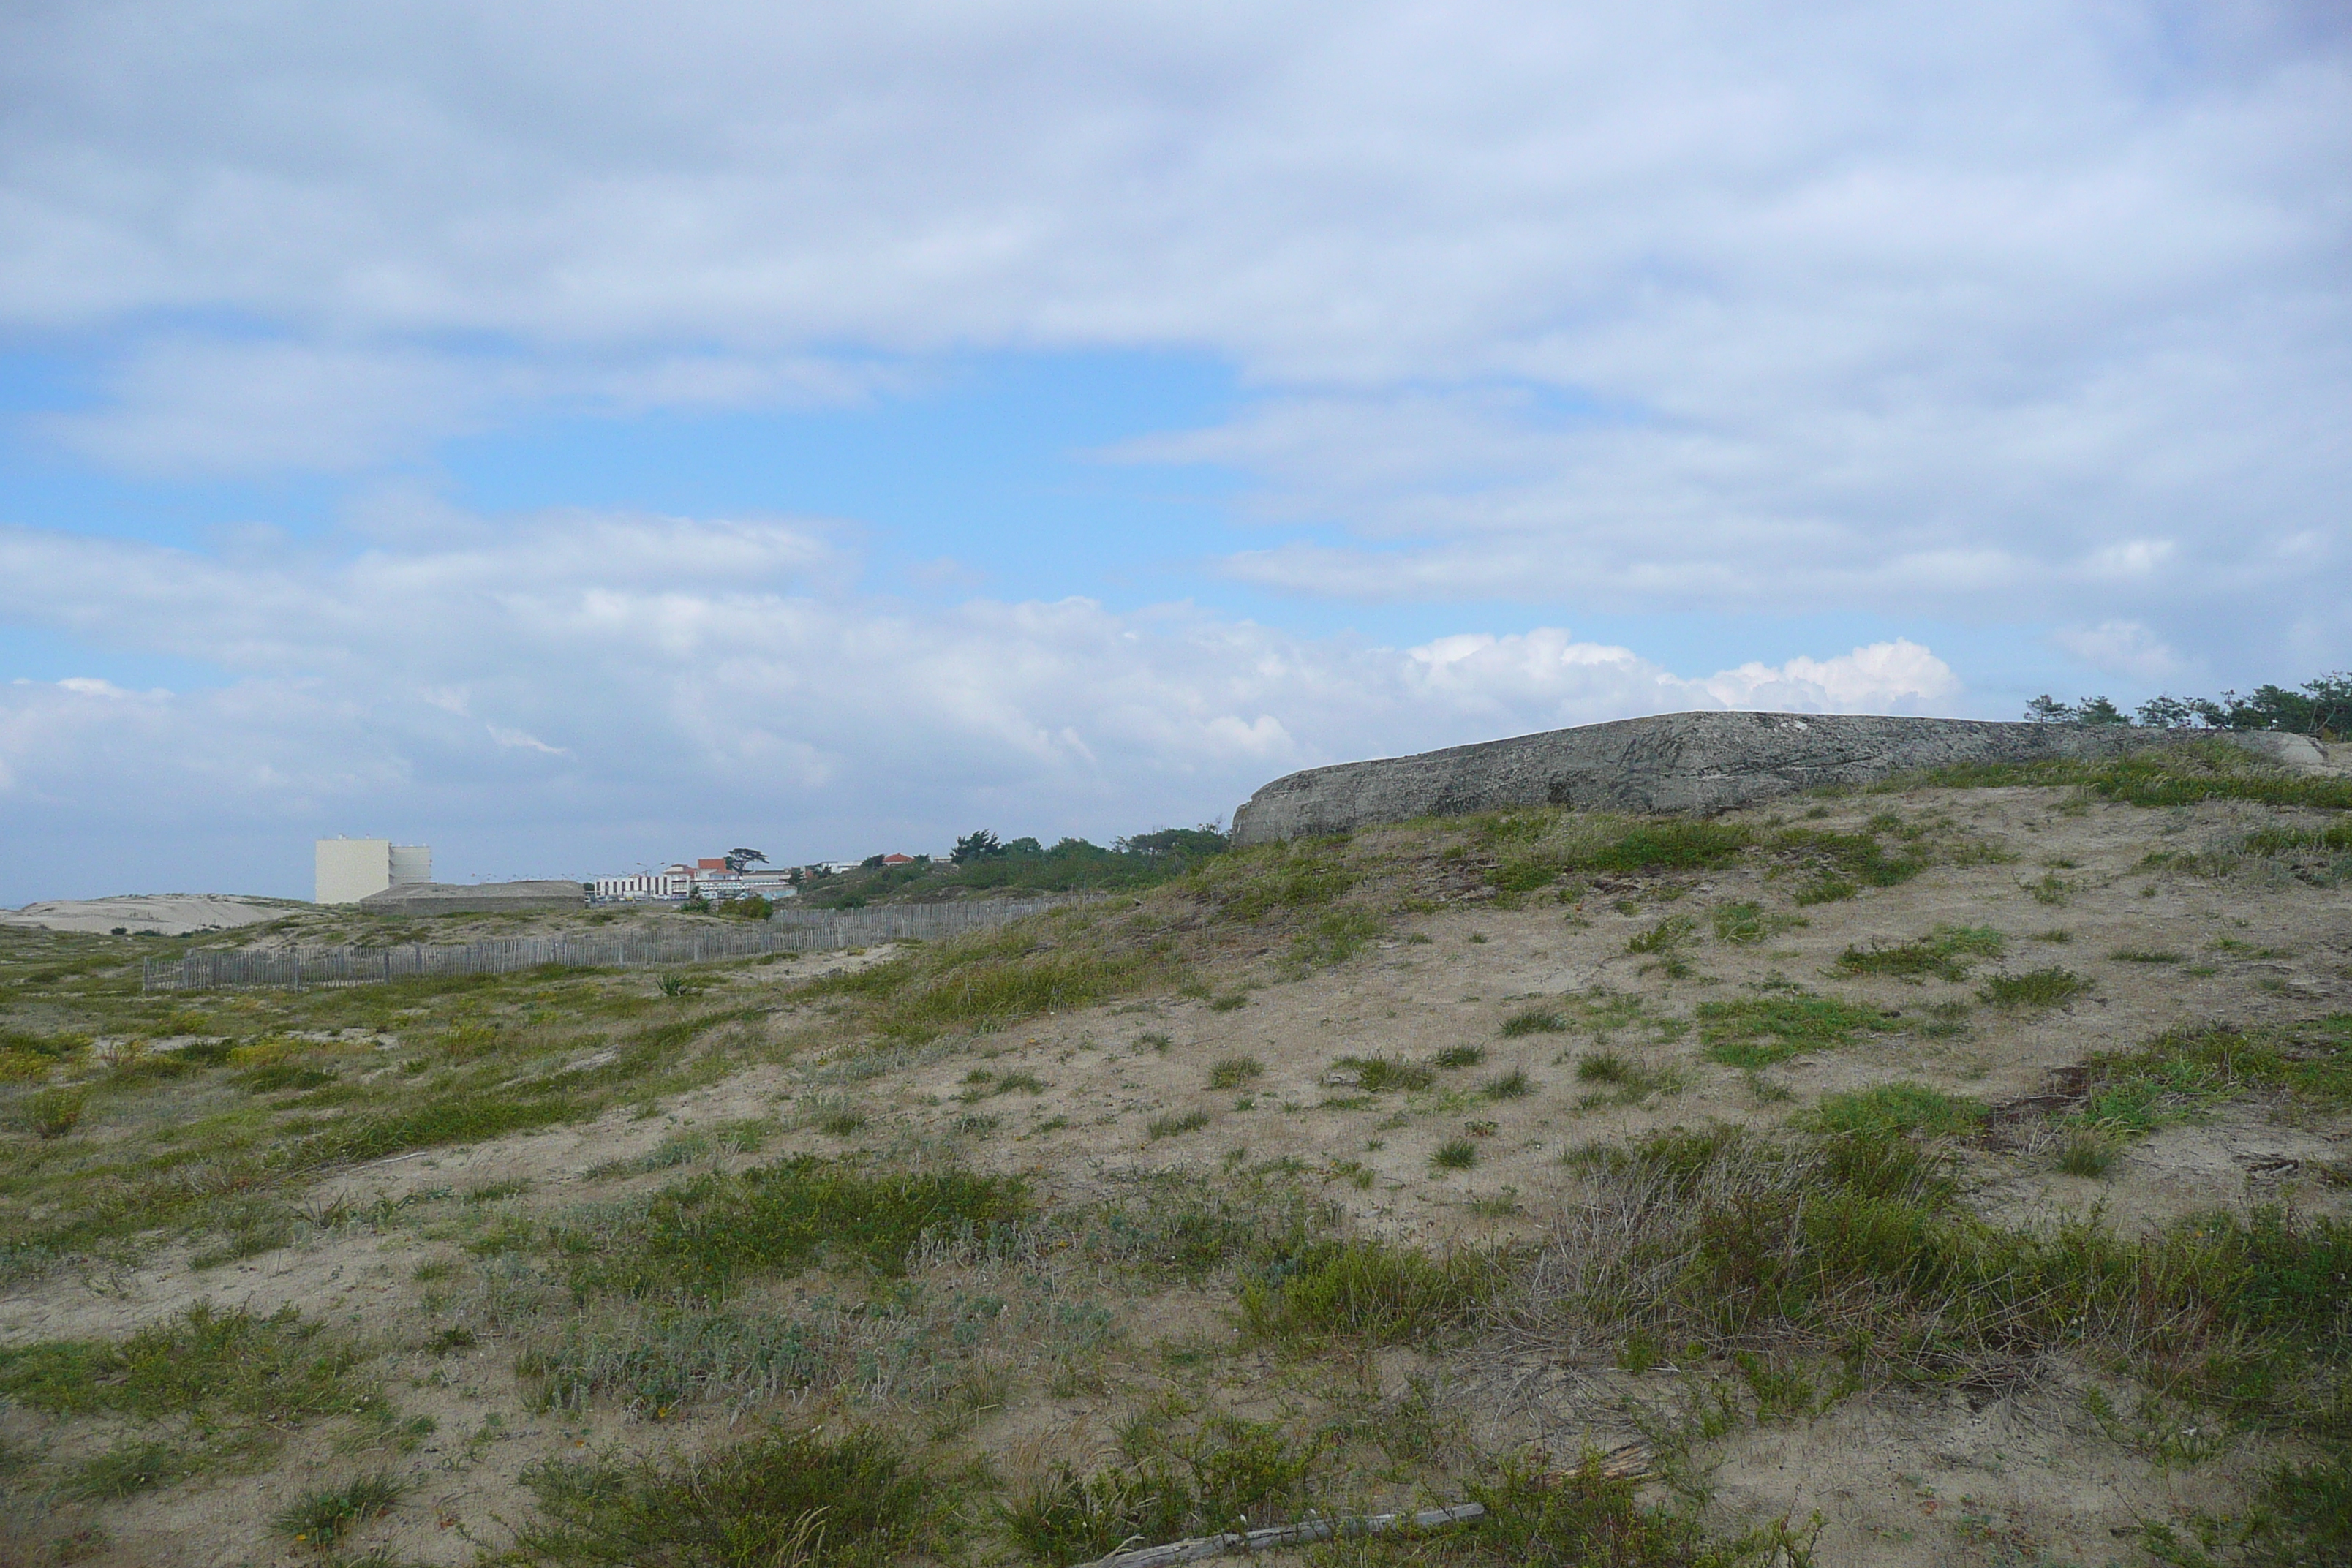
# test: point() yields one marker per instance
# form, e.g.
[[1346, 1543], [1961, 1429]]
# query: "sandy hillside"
[[1360, 1174], [149, 914]]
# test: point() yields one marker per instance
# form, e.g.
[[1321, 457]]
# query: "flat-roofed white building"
[[676, 882], [349, 869]]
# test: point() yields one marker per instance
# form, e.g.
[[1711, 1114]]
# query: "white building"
[[676, 882], [713, 878], [349, 869]]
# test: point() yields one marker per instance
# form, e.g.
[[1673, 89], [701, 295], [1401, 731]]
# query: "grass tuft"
[[1897, 1108], [2088, 1153], [1947, 953], [1368, 1289], [1172, 1125], [1755, 1032], [1379, 1075], [317, 1520], [1232, 1072], [2051, 987], [782, 1500], [704, 1235], [1512, 1084], [278, 1369]]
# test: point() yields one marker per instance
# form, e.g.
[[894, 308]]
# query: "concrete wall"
[[349, 869], [474, 898], [411, 863], [1680, 762]]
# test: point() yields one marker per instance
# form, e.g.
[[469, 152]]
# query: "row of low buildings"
[[719, 877], [351, 870]]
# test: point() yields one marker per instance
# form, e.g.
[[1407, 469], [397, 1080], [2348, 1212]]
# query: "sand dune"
[[167, 914]]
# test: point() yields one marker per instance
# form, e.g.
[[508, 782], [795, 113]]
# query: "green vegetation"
[[799, 1500], [2321, 707], [132, 1466], [1232, 1072], [1623, 1080], [2051, 987], [1337, 936], [1747, 923], [704, 1235], [1891, 1108], [54, 1113], [1840, 865], [983, 863], [1536, 852], [1454, 1154], [1512, 1084], [1946, 953], [912, 1305], [1382, 1075], [1852, 1246], [1373, 1290], [318, 1520], [1230, 1474], [1275, 878], [993, 979], [1755, 1032], [2088, 1153], [2185, 1070], [2180, 774], [278, 1369], [1664, 937]]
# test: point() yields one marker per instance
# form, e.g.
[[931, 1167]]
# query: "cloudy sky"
[[578, 434]]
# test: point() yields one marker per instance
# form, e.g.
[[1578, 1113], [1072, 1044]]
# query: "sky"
[[579, 436]]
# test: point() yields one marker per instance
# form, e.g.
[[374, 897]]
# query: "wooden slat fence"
[[813, 930]]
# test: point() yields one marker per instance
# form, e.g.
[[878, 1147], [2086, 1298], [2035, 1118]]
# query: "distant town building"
[[712, 877], [349, 869]]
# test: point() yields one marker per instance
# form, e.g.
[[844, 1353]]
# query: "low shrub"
[[1897, 1108], [1363, 1288], [54, 1113], [796, 1499], [317, 1520], [1231, 1474], [277, 1368], [702, 1236]]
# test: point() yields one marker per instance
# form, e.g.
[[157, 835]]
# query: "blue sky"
[[572, 438]]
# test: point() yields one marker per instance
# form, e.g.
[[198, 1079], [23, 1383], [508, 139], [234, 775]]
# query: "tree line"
[[2320, 707]]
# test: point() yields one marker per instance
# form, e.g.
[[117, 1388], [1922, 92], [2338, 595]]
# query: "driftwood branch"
[[1299, 1534]]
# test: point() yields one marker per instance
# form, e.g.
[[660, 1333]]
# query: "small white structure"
[[349, 869]]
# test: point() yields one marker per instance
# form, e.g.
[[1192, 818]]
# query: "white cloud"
[[1898, 677], [546, 688], [1689, 304], [2122, 647]]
